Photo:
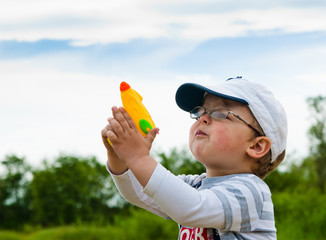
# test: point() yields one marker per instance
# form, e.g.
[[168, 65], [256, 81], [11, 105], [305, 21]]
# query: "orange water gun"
[[132, 103]]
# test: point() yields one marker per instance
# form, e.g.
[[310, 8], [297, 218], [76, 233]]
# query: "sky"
[[61, 64]]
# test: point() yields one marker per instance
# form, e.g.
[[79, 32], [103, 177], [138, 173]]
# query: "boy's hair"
[[264, 164], [268, 112]]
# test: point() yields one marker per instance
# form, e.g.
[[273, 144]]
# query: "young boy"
[[239, 136]]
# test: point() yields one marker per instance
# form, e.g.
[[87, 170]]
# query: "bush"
[[300, 215], [138, 224], [143, 225]]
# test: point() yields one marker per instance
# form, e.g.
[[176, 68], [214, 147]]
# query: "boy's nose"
[[205, 119]]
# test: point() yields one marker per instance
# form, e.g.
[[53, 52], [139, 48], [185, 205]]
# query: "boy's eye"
[[218, 114]]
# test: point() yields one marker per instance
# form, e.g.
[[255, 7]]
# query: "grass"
[[140, 225], [8, 235], [63, 233]]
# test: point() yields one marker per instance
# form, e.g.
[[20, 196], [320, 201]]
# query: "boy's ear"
[[259, 147]]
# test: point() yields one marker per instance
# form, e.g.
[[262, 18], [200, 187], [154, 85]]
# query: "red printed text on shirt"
[[195, 234]]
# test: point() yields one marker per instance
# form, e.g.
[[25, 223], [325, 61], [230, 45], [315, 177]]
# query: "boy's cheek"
[[220, 138], [197, 149]]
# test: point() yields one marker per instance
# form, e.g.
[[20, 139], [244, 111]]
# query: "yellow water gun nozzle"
[[124, 86]]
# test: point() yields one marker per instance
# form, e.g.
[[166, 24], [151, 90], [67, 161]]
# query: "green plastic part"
[[145, 126]]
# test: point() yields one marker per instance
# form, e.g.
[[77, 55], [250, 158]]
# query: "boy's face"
[[221, 144]]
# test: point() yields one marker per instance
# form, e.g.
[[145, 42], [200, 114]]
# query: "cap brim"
[[190, 95]]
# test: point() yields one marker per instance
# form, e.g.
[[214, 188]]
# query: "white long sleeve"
[[236, 205], [131, 190], [183, 203]]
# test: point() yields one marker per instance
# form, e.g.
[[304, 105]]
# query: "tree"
[[317, 134], [297, 177], [14, 192], [71, 190]]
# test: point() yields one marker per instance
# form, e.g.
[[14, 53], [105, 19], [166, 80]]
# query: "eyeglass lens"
[[217, 113]]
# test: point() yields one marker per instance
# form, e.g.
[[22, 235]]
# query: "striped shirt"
[[237, 206]]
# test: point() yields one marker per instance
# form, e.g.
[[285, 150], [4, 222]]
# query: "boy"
[[239, 136]]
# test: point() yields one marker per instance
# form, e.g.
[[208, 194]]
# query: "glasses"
[[218, 113]]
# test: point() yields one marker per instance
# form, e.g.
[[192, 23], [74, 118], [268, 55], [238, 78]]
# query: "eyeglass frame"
[[209, 111]]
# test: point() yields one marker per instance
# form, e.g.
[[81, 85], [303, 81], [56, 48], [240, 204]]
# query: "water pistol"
[[132, 103]]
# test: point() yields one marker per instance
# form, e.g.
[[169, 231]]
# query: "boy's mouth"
[[200, 133]]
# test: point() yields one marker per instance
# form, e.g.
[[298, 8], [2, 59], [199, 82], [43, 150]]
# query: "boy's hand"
[[127, 142], [116, 165], [130, 146]]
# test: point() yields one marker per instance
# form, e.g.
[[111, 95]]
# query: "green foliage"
[[317, 135], [14, 192], [297, 178], [137, 224], [7, 235], [71, 233], [71, 190], [300, 216], [141, 224]]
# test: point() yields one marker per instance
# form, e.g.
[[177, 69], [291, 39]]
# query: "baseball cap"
[[267, 110]]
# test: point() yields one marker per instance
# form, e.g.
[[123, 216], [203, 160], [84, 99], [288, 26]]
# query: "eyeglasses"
[[218, 113]]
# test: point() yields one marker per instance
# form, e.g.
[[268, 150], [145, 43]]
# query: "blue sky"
[[61, 64]]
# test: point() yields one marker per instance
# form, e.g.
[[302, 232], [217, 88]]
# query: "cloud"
[[98, 21], [45, 111], [314, 78]]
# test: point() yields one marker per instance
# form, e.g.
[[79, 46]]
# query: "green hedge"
[[300, 215], [138, 225]]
